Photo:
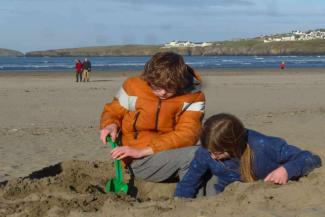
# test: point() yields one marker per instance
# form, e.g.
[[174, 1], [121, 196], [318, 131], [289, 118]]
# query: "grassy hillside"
[[123, 50], [241, 47], [6, 52], [256, 47]]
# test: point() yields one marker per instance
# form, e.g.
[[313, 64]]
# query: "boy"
[[159, 114]]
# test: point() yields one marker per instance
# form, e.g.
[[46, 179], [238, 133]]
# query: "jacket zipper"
[[135, 134], [157, 114]]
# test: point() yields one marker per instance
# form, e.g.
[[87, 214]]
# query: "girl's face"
[[218, 155]]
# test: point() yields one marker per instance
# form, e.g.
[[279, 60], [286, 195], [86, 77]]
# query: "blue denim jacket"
[[269, 153]]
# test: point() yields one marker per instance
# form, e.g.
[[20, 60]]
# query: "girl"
[[233, 153]]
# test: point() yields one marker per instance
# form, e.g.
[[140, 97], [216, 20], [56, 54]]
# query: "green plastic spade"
[[116, 185]]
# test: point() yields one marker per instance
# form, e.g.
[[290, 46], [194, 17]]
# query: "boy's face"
[[162, 93]]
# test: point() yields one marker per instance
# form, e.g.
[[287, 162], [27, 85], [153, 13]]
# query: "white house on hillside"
[[297, 36], [186, 44]]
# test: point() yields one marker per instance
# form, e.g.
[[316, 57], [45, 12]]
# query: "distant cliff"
[[257, 47], [241, 47], [6, 52], [123, 50]]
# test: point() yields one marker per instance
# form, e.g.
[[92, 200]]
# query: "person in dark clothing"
[[86, 70], [232, 153], [78, 67]]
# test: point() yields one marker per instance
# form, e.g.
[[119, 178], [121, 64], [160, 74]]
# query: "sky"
[[29, 25]]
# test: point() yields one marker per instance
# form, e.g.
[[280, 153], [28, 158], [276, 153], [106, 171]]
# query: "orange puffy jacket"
[[146, 120]]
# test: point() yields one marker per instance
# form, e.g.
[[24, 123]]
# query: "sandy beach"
[[48, 120]]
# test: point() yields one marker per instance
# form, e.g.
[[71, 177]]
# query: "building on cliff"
[[186, 44]]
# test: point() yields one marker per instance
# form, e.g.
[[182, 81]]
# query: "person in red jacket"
[[282, 65], [159, 115], [78, 68]]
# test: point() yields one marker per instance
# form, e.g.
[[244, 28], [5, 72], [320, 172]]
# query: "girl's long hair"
[[226, 133]]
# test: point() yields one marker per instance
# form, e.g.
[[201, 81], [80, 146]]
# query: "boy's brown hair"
[[167, 70], [226, 133]]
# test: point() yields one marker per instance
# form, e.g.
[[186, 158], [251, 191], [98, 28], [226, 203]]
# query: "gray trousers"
[[165, 165]]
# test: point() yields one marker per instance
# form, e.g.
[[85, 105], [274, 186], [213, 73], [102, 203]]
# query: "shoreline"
[[203, 72]]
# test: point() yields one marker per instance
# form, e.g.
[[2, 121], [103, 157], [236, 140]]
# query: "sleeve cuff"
[[106, 123], [292, 169]]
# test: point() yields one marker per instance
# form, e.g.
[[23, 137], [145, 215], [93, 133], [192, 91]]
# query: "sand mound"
[[71, 185], [76, 188]]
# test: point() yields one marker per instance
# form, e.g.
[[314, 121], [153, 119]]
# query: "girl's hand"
[[110, 130], [277, 176], [121, 152]]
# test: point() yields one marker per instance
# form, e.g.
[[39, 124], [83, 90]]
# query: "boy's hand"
[[121, 152], [277, 176], [110, 130]]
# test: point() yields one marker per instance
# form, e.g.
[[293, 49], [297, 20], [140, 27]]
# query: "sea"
[[137, 62]]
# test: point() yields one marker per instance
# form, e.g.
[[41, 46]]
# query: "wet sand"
[[47, 119]]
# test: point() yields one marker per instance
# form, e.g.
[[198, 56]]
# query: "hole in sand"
[[46, 172]]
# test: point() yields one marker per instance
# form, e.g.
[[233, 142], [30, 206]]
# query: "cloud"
[[36, 22], [184, 4], [101, 39], [151, 38]]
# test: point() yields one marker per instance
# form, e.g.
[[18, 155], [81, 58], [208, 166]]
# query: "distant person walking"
[[78, 68], [86, 70], [282, 65]]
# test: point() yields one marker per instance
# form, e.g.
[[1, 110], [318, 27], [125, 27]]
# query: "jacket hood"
[[197, 80]]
